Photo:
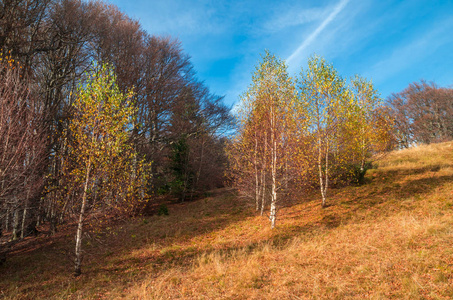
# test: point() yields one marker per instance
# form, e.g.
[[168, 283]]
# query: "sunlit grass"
[[389, 238]]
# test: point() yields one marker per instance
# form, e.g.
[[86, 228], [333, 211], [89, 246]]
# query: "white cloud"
[[295, 17]]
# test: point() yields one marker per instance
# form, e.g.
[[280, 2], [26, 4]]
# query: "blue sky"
[[391, 42]]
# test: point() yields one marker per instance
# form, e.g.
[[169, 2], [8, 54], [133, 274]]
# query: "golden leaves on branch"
[[99, 133]]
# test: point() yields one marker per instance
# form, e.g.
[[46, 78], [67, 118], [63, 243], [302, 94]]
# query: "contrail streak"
[[318, 30]]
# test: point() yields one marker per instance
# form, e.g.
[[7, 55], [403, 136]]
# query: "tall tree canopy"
[[327, 99]]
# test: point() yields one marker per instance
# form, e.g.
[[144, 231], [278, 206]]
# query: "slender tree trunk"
[[326, 172], [257, 184], [24, 216], [273, 214], [7, 220], [53, 219], [38, 219], [263, 176], [186, 176], [273, 211], [363, 150], [263, 191], [63, 210], [78, 248], [200, 166], [51, 215], [321, 177], [320, 158], [15, 225], [286, 180]]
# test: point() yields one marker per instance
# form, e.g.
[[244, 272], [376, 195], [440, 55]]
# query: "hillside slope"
[[389, 238]]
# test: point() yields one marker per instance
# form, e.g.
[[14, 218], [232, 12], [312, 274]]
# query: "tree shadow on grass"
[[397, 186], [110, 253], [384, 192]]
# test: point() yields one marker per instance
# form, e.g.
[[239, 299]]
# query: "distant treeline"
[[423, 114]]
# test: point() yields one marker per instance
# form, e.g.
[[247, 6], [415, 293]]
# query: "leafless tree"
[[23, 150], [423, 113]]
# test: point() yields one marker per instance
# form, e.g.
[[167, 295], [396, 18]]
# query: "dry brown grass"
[[389, 238]]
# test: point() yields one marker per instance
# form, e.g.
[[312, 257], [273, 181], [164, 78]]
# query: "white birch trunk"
[[263, 176], [273, 210], [326, 172], [321, 177], [273, 214], [257, 187], [78, 248]]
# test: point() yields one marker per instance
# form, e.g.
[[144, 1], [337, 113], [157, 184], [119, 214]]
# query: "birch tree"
[[366, 101], [324, 92], [267, 118], [104, 167]]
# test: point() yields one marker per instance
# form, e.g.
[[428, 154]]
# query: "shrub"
[[163, 210]]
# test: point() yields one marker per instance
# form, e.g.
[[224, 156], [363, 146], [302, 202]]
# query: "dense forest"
[[99, 119]]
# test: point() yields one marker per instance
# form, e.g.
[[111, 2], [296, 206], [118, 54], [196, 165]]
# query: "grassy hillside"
[[389, 238]]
